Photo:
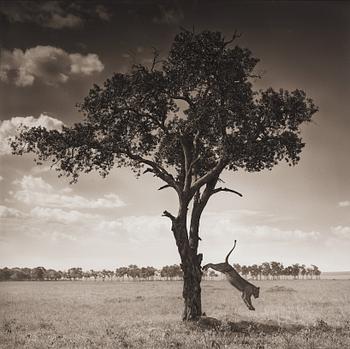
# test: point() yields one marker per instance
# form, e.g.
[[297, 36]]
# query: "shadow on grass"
[[267, 328]]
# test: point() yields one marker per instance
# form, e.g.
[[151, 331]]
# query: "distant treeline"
[[267, 271]]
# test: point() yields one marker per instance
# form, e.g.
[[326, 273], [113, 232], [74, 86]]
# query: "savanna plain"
[[112, 314]]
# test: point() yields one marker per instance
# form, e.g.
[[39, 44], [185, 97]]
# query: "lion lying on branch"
[[248, 290]]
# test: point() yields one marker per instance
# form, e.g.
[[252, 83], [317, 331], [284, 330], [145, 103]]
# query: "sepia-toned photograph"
[[174, 174]]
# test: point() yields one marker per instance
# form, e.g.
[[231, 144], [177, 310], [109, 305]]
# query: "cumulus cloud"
[[344, 203], [35, 191], [85, 65], [9, 128], [9, 212], [48, 64], [341, 231]]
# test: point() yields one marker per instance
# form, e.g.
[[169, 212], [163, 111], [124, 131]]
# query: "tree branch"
[[217, 190], [169, 215], [194, 162], [209, 176], [234, 37], [188, 161], [158, 170], [164, 186], [148, 170]]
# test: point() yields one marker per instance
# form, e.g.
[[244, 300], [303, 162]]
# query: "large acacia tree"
[[185, 119]]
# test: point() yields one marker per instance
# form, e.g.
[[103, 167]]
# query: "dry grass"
[[289, 314]]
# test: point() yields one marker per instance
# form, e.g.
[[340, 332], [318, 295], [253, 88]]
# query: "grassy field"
[[86, 314]]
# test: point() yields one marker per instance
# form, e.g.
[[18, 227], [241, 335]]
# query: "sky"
[[51, 55]]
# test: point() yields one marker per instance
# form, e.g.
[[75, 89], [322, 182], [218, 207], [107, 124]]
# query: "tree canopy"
[[186, 117]]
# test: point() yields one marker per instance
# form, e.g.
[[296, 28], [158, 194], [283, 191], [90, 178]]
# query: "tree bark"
[[191, 294], [191, 267]]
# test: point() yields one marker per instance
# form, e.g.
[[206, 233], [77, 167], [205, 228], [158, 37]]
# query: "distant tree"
[[276, 269], [186, 118], [94, 274], [316, 271], [302, 269], [147, 272], [38, 273], [245, 271], [5, 274], [254, 271], [107, 274], [121, 272], [266, 269], [75, 273], [17, 274], [295, 270], [171, 272], [52, 274], [86, 275], [134, 271]]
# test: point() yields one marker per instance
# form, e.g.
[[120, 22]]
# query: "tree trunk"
[[191, 267], [192, 275]]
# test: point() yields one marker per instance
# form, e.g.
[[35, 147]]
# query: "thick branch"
[[217, 190], [199, 203], [186, 148], [193, 163], [158, 170], [209, 176]]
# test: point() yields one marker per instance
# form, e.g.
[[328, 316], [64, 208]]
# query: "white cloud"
[[344, 203], [8, 128], [341, 231], [85, 65], [8, 212], [57, 215], [136, 228], [48, 64], [248, 225], [35, 191], [269, 233]]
